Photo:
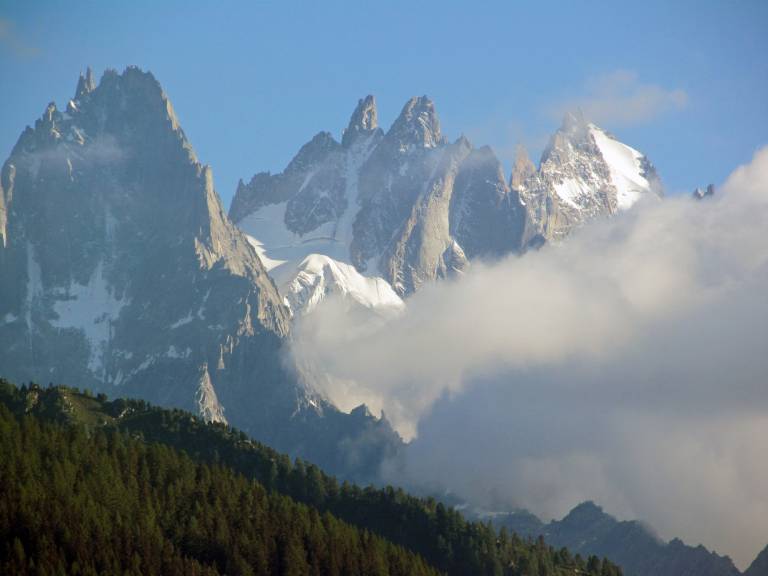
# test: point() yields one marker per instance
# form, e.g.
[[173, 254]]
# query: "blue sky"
[[684, 82]]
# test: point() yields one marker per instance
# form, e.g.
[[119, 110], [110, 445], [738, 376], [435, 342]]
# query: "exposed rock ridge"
[[404, 202], [584, 174], [120, 268], [363, 122], [588, 530]]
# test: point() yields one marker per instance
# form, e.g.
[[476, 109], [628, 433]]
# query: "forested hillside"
[[92, 486]]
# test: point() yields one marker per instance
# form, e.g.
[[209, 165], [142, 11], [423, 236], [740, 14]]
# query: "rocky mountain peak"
[[522, 169], [314, 151], [364, 120], [463, 142], [701, 193], [403, 209], [585, 173], [585, 514], [633, 545], [85, 84], [417, 125], [574, 133], [120, 269], [116, 177]]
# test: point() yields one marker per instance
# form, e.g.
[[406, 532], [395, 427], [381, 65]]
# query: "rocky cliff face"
[[406, 206], [120, 270], [585, 173], [411, 208]]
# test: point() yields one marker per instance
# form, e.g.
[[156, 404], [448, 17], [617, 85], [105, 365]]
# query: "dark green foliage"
[[107, 503], [162, 486]]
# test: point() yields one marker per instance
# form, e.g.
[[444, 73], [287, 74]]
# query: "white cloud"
[[626, 366], [619, 98]]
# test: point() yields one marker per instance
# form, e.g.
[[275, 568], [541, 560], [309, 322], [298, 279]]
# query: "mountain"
[[584, 173], [161, 491], [587, 529], [409, 207], [759, 566], [702, 193], [119, 270], [119, 505], [318, 276], [406, 205]]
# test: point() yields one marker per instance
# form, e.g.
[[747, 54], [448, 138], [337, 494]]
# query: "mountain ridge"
[[631, 544], [392, 198], [421, 526], [120, 268], [422, 208]]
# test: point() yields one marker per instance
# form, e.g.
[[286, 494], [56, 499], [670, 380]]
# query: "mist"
[[627, 365]]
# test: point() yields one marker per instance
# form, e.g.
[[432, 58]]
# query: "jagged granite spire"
[[119, 270], [417, 125], [486, 218], [523, 168], [85, 84], [585, 173], [364, 120]]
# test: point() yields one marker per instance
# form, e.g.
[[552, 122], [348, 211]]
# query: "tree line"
[[92, 486]]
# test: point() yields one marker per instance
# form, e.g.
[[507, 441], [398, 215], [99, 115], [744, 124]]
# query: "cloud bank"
[[619, 98], [627, 365]]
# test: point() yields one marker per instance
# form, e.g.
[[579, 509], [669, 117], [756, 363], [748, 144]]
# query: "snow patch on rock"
[[91, 308], [626, 168]]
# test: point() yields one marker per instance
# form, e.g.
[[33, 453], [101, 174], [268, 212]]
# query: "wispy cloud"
[[620, 98], [10, 40], [626, 366]]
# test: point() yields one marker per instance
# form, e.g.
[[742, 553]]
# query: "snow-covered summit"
[[631, 173], [319, 276], [410, 207], [418, 125], [398, 205], [585, 172]]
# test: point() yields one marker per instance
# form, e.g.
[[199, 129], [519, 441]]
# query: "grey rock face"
[[415, 207], [488, 219], [585, 173], [120, 271], [523, 168], [411, 208], [422, 249], [417, 126], [85, 84], [364, 121], [391, 181], [588, 530], [312, 184], [120, 267]]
